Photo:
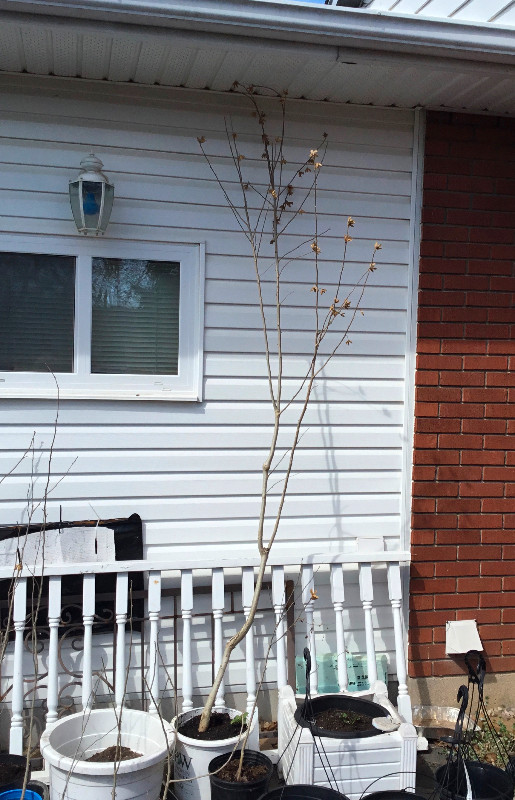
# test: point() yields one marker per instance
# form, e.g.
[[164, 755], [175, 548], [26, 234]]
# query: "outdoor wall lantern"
[[91, 197]]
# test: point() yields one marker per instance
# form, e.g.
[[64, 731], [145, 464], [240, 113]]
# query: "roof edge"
[[308, 24]]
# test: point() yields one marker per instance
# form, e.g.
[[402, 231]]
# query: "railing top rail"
[[174, 564]]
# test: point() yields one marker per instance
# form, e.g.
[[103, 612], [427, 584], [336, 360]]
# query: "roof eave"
[[275, 22]]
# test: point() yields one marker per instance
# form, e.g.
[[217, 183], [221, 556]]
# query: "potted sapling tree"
[[279, 195]]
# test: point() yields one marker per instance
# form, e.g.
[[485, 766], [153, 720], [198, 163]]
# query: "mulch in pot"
[[114, 754], [250, 772], [220, 727], [334, 719]]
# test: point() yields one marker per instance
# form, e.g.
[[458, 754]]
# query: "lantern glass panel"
[[92, 203], [75, 204], [108, 206]]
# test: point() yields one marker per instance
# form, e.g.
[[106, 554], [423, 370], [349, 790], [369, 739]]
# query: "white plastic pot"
[[192, 756], [77, 737]]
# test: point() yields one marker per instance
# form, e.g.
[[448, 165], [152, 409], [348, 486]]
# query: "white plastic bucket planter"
[[192, 756], [77, 737]]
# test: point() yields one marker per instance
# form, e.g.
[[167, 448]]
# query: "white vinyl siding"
[[192, 471]]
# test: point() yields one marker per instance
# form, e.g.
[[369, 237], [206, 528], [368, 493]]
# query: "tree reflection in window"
[[135, 316]]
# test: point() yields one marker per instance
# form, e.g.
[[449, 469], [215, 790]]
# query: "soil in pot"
[[256, 773], [220, 727], [114, 753], [12, 771], [249, 772], [341, 717], [335, 720]]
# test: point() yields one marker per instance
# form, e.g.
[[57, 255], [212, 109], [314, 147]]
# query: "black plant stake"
[[307, 713], [307, 710], [476, 666], [454, 773]]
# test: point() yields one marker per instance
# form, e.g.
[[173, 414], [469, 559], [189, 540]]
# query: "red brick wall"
[[463, 528]]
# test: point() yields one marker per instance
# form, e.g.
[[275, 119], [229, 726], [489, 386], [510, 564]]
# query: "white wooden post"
[[338, 598], [395, 595], [366, 591], [88, 617], [122, 586], [154, 612], [247, 592], [19, 615], [278, 601], [218, 603], [308, 601], [186, 611], [54, 616]]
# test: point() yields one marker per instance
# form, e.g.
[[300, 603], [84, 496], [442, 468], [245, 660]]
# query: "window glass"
[[37, 308], [135, 316]]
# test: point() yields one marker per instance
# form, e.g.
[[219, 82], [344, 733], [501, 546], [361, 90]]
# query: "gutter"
[[274, 23]]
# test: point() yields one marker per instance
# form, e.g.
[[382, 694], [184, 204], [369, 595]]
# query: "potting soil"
[[334, 719], [114, 753], [220, 727], [250, 772]]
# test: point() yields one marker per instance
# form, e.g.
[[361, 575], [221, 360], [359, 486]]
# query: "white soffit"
[[502, 12], [354, 56]]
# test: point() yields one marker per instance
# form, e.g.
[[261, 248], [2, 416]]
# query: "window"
[[109, 320]]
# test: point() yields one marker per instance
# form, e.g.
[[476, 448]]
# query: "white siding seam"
[[411, 347], [411, 344]]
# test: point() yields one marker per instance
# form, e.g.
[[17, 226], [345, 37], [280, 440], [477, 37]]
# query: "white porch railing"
[[333, 572]]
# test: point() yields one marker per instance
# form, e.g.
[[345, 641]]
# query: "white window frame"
[[81, 383]]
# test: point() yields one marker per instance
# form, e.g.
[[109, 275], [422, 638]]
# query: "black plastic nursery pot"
[[487, 782], [342, 703], [39, 788], [303, 792], [12, 771], [222, 789]]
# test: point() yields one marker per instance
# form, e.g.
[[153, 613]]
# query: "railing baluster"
[[54, 616], [122, 586], [152, 669], [247, 592], [218, 603], [154, 612], [186, 611], [366, 591], [338, 598], [395, 595], [278, 601], [19, 616], [308, 601], [88, 617]]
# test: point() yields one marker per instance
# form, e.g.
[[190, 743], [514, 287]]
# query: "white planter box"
[[387, 761]]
